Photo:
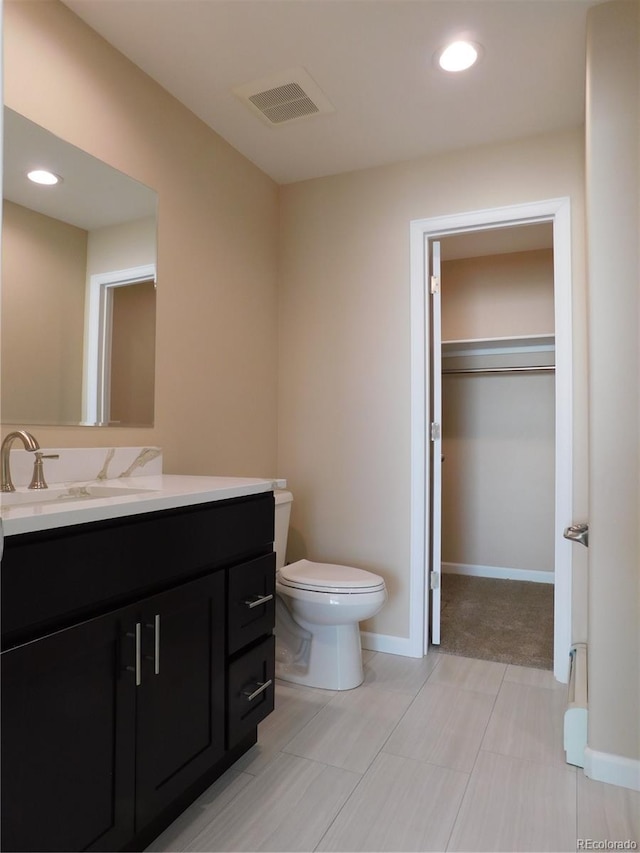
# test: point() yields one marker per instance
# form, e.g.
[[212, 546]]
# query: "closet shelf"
[[532, 368], [498, 346]]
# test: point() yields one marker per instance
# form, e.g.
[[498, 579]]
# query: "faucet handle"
[[38, 481]]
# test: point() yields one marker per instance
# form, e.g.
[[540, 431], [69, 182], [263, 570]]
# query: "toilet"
[[318, 608]]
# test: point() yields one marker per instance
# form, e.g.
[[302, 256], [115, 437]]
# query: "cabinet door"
[[67, 738], [180, 700]]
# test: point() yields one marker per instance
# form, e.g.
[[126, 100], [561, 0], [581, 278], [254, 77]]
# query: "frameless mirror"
[[78, 298]]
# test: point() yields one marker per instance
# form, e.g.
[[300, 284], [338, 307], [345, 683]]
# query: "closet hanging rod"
[[542, 368]]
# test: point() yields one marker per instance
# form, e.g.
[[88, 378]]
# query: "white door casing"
[[422, 232]]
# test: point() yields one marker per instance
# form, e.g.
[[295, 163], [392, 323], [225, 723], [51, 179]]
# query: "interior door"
[[435, 558]]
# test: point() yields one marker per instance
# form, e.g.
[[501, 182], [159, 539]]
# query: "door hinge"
[[435, 284], [434, 580], [435, 431]]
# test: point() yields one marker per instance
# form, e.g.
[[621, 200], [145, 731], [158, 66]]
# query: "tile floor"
[[444, 753]]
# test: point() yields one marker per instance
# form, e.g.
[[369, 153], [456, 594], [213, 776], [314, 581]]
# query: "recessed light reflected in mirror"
[[44, 177], [458, 56]]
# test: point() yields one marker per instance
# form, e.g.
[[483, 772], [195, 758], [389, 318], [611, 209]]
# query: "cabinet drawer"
[[87, 568], [252, 592], [251, 690]]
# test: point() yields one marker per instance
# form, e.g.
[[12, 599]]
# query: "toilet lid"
[[327, 576]]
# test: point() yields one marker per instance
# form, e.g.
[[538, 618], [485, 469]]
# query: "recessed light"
[[42, 176], [458, 56]]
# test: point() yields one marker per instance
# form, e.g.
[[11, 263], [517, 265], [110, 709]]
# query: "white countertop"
[[161, 491]]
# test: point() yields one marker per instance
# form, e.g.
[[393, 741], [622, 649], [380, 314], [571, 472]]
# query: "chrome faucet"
[[30, 444]]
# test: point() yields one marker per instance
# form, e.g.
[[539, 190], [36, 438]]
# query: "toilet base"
[[331, 659]]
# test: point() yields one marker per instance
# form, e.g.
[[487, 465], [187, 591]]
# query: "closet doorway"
[[496, 355]]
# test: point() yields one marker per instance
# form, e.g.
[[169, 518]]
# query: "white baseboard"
[[497, 572], [387, 643], [612, 769]]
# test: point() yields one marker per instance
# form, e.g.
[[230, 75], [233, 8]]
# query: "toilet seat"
[[328, 577]]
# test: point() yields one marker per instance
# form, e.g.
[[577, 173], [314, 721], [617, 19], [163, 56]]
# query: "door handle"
[[578, 533]]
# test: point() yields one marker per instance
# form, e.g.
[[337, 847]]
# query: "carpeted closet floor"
[[501, 620]]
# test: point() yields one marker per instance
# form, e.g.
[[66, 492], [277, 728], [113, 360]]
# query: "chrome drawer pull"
[[261, 688], [256, 602]]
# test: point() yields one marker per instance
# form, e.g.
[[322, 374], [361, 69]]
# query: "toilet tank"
[[284, 500]]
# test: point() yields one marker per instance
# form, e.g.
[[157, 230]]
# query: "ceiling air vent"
[[285, 97]]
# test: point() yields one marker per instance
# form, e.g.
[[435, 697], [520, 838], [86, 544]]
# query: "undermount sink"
[[66, 494]]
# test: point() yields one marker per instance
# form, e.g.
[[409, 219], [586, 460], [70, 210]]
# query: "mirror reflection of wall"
[[55, 239], [43, 282], [133, 338]]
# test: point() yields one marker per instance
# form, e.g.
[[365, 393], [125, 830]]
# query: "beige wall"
[[133, 346], [122, 246], [496, 296], [498, 430], [613, 225], [498, 476], [217, 242], [344, 330], [43, 281]]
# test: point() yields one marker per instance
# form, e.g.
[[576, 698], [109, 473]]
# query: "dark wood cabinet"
[[112, 724]]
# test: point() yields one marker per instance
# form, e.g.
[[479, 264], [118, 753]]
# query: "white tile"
[[295, 705], [399, 674], [484, 676], [399, 805], [527, 722], [607, 812], [201, 812], [444, 726], [288, 807], [533, 677], [350, 731], [512, 804]]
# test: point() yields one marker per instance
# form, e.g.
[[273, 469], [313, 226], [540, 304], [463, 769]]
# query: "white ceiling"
[[373, 59], [91, 195]]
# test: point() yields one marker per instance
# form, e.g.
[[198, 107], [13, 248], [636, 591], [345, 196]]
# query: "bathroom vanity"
[[137, 656]]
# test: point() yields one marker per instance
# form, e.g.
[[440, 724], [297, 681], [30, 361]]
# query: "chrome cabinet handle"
[[156, 643], [137, 668], [249, 696], [257, 601]]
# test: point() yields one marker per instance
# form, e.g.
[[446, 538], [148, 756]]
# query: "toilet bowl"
[[318, 608]]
